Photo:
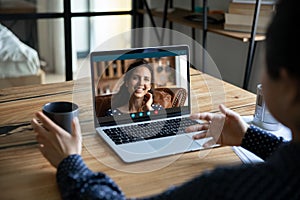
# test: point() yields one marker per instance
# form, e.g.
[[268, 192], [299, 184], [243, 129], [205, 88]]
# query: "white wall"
[[103, 28], [230, 55]]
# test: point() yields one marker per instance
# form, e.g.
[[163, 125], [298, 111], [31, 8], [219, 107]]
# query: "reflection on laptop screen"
[[140, 84]]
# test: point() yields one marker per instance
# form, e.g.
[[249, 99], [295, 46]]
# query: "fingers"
[[209, 116], [200, 135], [42, 136], [203, 116], [47, 131], [197, 127], [226, 111], [149, 97], [209, 143], [39, 129], [76, 131], [36, 126], [76, 134], [47, 123]]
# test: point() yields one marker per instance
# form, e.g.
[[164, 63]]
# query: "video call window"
[[169, 84]]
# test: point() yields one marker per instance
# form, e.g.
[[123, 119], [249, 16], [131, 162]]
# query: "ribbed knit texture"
[[276, 178]]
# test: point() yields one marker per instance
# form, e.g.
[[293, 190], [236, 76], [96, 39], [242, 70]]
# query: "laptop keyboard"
[[151, 130]]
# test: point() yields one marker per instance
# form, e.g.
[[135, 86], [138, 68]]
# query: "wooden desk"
[[26, 174]]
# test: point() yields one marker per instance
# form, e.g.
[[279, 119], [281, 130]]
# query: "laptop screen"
[[140, 84]]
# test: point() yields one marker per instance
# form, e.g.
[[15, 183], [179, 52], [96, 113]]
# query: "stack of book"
[[240, 17]]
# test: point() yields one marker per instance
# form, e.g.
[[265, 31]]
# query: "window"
[[64, 30]]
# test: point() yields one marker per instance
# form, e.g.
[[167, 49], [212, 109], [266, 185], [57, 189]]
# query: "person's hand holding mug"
[[227, 128], [55, 142]]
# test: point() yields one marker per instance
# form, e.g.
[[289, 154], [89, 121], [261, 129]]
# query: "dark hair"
[[123, 95], [282, 40], [137, 63]]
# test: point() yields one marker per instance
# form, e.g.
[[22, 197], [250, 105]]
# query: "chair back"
[[166, 97]]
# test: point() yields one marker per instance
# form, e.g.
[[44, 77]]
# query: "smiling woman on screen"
[[135, 93]]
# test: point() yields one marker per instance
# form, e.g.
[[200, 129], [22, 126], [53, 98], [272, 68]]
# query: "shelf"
[[178, 15]]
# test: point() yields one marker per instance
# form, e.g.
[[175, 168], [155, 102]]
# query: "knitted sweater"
[[276, 178]]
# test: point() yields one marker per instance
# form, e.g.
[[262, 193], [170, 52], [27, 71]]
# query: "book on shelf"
[[240, 16], [241, 19], [244, 28], [263, 2], [248, 9]]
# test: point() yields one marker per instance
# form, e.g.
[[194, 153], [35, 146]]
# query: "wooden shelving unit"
[[177, 16]]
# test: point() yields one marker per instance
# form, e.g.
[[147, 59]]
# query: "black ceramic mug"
[[62, 113]]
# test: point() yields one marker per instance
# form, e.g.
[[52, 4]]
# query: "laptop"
[[158, 131]]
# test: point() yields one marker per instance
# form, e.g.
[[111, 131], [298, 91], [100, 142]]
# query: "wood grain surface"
[[26, 174]]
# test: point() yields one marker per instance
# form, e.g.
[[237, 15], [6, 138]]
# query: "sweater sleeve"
[[76, 181], [261, 142]]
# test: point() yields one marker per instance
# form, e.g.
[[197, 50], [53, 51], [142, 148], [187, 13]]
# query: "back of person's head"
[[282, 41]]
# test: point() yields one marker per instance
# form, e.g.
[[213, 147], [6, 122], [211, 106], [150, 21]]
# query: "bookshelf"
[[177, 16]]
